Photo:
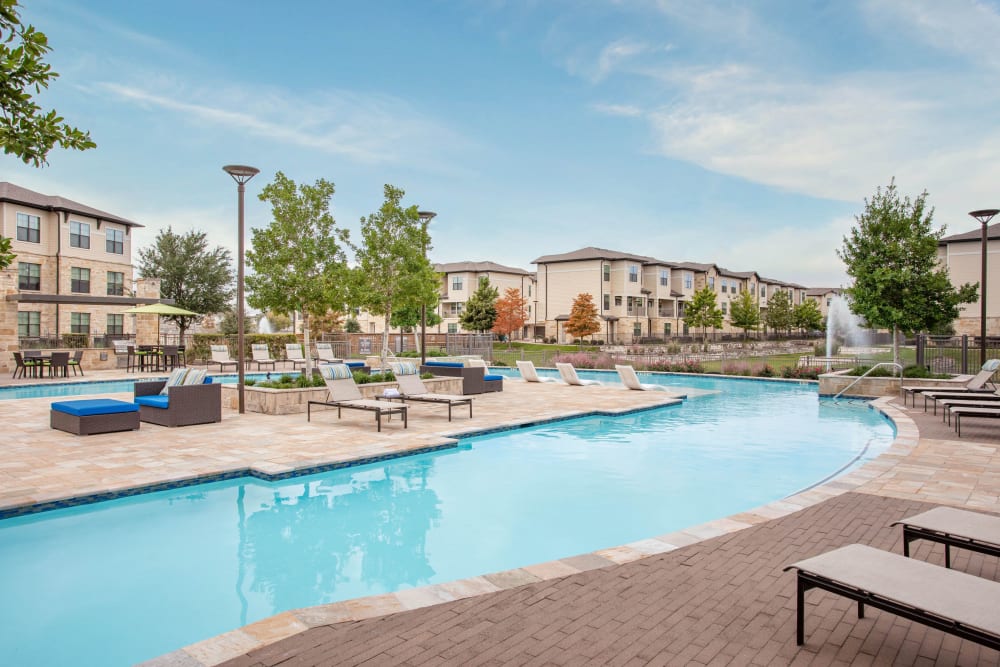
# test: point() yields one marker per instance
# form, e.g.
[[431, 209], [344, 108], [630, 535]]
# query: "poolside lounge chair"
[[529, 374], [491, 381], [569, 376], [968, 401], [959, 411], [262, 355], [953, 527], [412, 388], [631, 380], [220, 355], [951, 398], [324, 353], [293, 353], [977, 383], [186, 398], [955, 602], [344, 393]]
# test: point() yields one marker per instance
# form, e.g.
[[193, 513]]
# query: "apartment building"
[[823, 296], [73, 263], [962, 255]]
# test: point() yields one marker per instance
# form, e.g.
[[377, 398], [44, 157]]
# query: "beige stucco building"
[[961, 254]]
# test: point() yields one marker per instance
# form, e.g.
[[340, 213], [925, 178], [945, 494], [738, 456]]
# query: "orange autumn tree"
[[583, 317], [511, 314]]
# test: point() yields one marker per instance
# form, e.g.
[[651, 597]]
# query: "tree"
[[892, 256], [583, 317], [408, 317], [393, 271], [6, 255], [744, 313], [196, 278], [230, 323], [807, 316], [279, 321], [351, 326], [702, 311], [298, 260], [779, 311], [481, 308], [25, 130], [328, 322], [511, 313]]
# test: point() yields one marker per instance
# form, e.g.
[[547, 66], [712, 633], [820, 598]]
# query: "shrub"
[[75, 340], [584, 360], [369, 378], [801, 372], [923, 372], [686, 366]]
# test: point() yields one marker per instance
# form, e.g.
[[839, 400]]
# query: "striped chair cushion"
[[403, 368], [195, 376], [335, 372], [175, 380]]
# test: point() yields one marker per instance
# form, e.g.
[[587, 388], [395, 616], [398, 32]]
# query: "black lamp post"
[[425, 218], [241, 174], [984, 218]]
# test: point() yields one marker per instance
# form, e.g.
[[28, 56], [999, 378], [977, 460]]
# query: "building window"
[[607, 302], [607, 273], [79, 234], [116, 325], [115, 241], [116, 283], [666, 329], [664, 278], [753, 288], [688, 280], [828, 301], [723, 307], [637, 329], [79, 323], [29, 228], [29, 324], [763, 291], [633, 274], [456, 283], [529, 291], [711, 282], [29, 276], [453, 328], [79, 280], [618, 301]]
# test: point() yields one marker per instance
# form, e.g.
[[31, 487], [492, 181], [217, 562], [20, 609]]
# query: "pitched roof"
[[820, 291], [478, 267], [992, 232], [598, 253], [18, 195]]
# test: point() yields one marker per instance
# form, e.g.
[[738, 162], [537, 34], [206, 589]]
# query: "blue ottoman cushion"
[[354, 364], [94, 406], [154, 401], [493, 377]]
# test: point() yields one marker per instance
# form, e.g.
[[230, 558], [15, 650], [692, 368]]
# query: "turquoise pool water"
[[127, 580], [106, 386]]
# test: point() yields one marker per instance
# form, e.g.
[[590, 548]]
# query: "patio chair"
[[324, 353], [58, 364], [631, 380], [569, 376], [959, 411], [344, 393], [953, 527], [262, 355], [412, 388], [24, 366], [529, 374], [966, 401], [955, 602], [936, 397], [220, 355], [491, 381], [186, 398], [75, 360], [977, 383], [293, 353]]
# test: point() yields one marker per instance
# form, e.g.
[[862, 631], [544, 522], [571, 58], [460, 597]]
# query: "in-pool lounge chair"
[[262, 355], [631, 380], [569, 376], [955, 602], [529, 374], [412, 388], [953, 527], [220, 355], [324, 353], [344, 393], [293, 353], [977, 383]]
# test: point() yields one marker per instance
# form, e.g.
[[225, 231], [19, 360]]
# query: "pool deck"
[[711, 594]]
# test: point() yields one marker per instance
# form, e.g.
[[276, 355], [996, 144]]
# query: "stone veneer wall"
[[146, 325], [8, 319]]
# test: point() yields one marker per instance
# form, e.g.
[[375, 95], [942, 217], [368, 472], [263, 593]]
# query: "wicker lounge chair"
[[412, 388], [977, 383], [220, 355], [293, 353], [953, 527], [344, 393], [955, 602], [529, 374], [261, 355], [187, 397], [569, 376]]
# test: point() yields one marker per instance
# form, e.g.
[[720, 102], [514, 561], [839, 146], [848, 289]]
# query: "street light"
[[241, 174], [425, 218], [983, 217]]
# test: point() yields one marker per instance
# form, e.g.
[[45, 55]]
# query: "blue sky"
[[744, 133]]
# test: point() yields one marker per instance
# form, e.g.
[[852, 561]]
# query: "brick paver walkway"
[[721, 601]]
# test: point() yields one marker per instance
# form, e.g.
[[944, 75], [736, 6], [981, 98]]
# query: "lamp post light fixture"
[[241, 174], [984, 216], [425, 218]]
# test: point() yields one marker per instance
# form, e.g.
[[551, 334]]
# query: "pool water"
[[111, 386], [127, 580]]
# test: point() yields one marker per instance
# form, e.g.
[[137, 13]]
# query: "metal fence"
[[955, 354]]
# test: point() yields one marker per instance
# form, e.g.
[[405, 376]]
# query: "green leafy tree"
[[279, 321], [230, 323], [583, 317], [393, 271], [27, 131], [298, 260], [778, 317], [6, 254], [807, 316], [196, 277], [351, 325], [408, 317], [744, 313], [481, 309], [892, 256], [703, 312]]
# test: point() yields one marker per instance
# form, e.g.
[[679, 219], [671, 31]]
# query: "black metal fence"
[[955, 354]]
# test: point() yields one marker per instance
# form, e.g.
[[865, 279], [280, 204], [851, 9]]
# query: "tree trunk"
[[385, 338], [305, 339], [895, 349]]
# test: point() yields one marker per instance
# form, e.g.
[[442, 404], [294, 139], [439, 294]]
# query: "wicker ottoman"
[[94, 415]]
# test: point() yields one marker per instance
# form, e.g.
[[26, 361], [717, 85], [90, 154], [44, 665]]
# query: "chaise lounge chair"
[[262, 355], [344, 393], [569, 376], [631, 380], [977, 383], [529, 374], [293, 353], [959, 411], [955, 602], [412, 388], [220, 355], [324, 353], [953, 527]]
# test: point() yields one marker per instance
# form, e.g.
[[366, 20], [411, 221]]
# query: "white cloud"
[[627, 110]]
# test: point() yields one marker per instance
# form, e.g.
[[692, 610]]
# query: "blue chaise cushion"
[[354, 364], [94, 406], [155, 401], [446, 364]]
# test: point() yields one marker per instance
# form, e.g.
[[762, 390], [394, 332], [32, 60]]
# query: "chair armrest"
[[149, 388]]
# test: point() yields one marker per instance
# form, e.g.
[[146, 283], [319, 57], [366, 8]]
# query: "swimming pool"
[[110, 386], [127, 580]]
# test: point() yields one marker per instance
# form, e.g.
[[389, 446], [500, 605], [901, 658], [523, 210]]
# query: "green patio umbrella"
[[159, 309]]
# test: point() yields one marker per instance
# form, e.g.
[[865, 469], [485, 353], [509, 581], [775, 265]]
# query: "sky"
[[745, 133]]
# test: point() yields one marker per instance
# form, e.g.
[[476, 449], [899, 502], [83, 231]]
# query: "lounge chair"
[[293, 353], [344, 393], [220, 355], [953, 528], [959, 411], [412, 388], [262, 355], [324, 353], [529, 374], [936, 396], [955, 602], [631, 380], [491, 381], [185, 398], [569, 376], [968, 401], [977, 383]]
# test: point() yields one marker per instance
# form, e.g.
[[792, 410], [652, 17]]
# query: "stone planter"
[[291, 401], [830, 384]]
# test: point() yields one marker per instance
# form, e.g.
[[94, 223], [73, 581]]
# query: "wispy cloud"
[[627, 110]]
